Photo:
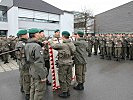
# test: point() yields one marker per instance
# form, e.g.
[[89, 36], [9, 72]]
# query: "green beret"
[[57, 30], [22, 32], [80, 32], [65, 33], [33, 31], [40, 30]]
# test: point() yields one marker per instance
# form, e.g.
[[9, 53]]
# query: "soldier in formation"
[[110, 45]]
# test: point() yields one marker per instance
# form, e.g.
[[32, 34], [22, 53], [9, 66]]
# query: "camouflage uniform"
[[1, 47], [5, 48], [124, 48], [131, 48], [90, 45], [102, 44], [34, 56], [80, 61], [46, 56], [96, 44], [118, 48], [23, 66], [109, 47], [65, 62], [12, 47]]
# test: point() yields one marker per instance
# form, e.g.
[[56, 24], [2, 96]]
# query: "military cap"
[[33, 31], [57, 30], [40, 30], [22, 32], [80, 33], [65, 33]]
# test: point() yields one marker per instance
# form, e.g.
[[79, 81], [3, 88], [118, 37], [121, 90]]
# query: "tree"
[[82, 20]]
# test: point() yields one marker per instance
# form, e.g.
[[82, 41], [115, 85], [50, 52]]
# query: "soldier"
[[96, 44], [5, 48], [80, 60], [90, 44], [109, 47], [23, 65], [131, 47], [65, 62], [102, 43], [34, 56], [124, 46], [46, 53], [1, 47], [118, 47], [12, 43], [57, 35]]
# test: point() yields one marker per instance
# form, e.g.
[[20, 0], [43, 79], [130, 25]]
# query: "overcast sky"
[[97, 6]]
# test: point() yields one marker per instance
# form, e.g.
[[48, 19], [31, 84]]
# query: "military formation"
[[7, 44], [32, 54], [111, 46]]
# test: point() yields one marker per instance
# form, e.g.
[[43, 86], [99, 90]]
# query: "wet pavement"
[[105, 80]]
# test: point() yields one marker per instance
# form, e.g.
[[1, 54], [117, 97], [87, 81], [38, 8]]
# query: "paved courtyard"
[[105, 80]]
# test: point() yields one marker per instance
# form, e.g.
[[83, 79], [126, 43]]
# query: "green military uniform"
[[90, 45], [96, 44], [23, 65], [124, 47], [109, 47], [65, 62], [34, 56], [102, 44], [5, 48], [80, 61], [1, 47], [46, 54], [118, 48], [130, 45], [12, 47]]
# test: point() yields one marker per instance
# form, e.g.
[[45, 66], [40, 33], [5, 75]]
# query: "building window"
[[3, 32], [51, 21], [38, 20], [3, 16], [25, 19]]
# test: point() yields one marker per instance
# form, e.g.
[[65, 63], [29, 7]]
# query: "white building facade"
[[18, 17]]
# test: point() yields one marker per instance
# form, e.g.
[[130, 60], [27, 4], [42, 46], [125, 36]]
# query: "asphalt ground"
[[105, 80]]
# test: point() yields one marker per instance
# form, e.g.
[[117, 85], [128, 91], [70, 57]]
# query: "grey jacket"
[[65, 52], [80, 56], [34, 56]]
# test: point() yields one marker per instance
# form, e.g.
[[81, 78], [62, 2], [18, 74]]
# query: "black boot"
[[102, 57], [6, 62], [21, 89], [82, 86], [63, 95], [76, 87], [48, 83], [79, 87], [68, 93], [27, 97]]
